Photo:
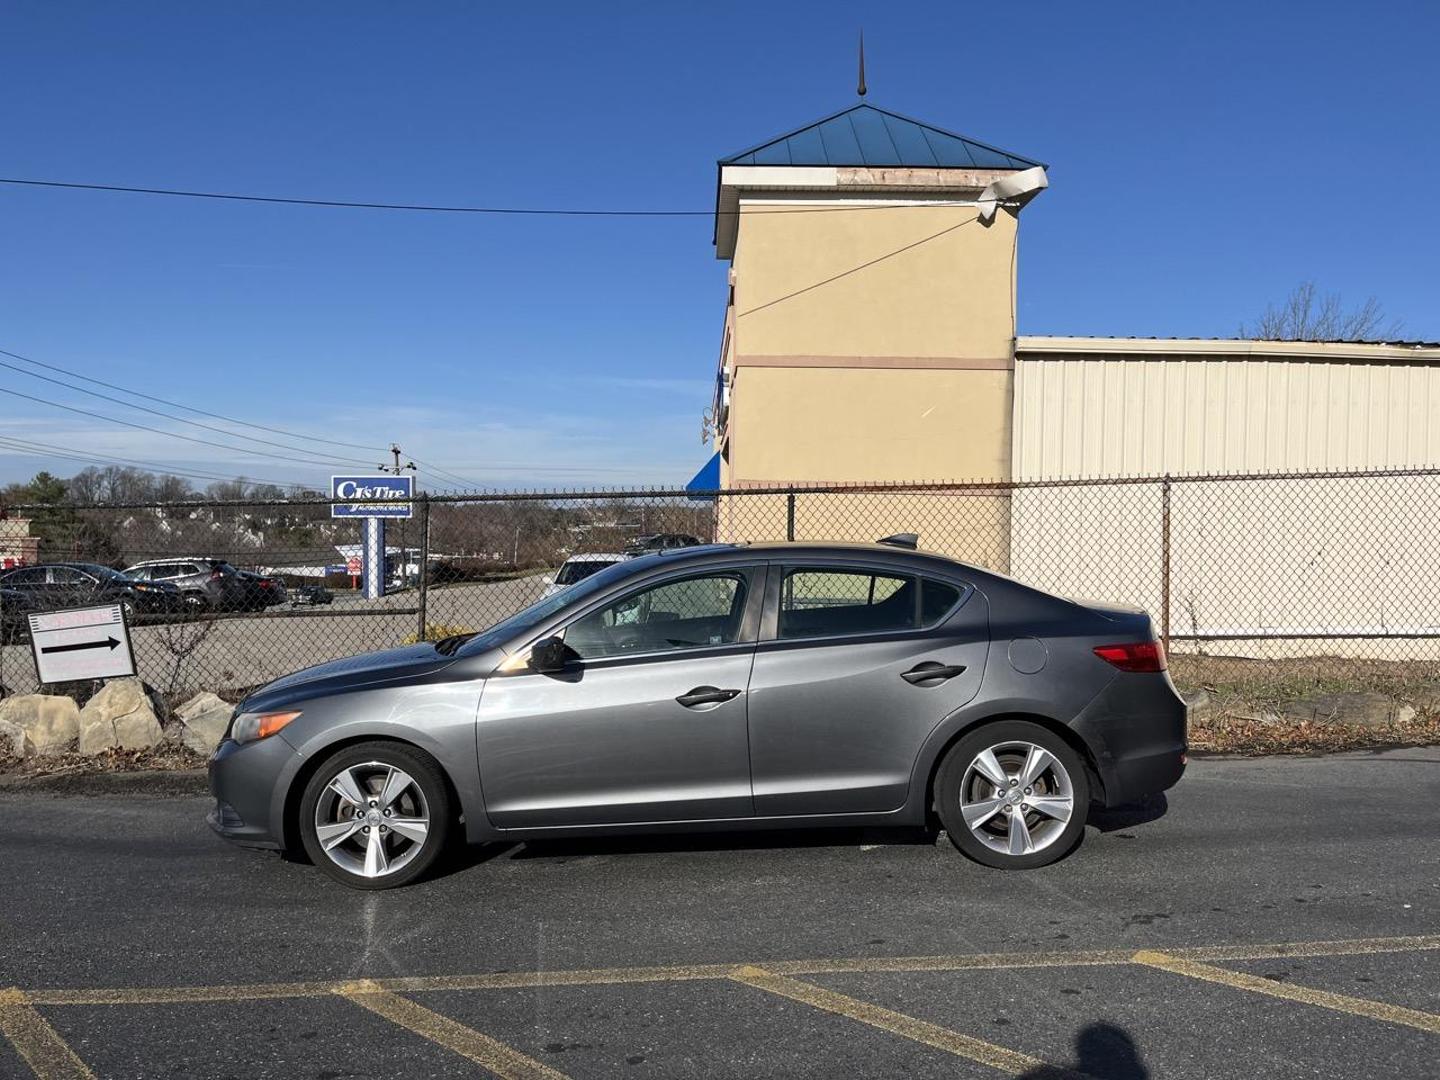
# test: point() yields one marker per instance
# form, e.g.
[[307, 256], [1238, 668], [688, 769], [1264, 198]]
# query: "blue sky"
[[1204, 160]]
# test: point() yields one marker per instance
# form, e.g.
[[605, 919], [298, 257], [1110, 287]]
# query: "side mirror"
[[548, 655]]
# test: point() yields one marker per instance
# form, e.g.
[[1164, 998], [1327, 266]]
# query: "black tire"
[[426, 774], [1050, 841]]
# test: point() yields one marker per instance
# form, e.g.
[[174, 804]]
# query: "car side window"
[[826, 602], [823, 602], [65, 575], [30, 575], [139, 573], [692, 613]]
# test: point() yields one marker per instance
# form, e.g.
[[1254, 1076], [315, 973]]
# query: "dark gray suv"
[[726, 686], [203, 582]]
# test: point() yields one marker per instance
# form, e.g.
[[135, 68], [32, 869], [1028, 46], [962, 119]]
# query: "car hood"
[[350, 673]]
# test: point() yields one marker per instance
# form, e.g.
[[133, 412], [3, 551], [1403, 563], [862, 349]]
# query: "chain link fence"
[[1263, 566]]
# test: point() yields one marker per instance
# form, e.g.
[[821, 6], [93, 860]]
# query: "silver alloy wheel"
[[1016, 798], [372, 819]]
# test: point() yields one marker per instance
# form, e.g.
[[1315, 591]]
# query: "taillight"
[[216, 575], [1134, 656]]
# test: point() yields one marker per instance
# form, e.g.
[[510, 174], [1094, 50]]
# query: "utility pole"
[[397, 469]]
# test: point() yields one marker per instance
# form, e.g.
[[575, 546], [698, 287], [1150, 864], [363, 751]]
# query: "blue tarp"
[[708, 478]]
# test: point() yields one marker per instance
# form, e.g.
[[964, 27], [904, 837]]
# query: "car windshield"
[[579, 569], [101, 571], [541, 610]]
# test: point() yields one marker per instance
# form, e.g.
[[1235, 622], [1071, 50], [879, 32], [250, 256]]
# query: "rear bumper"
[[1136, 731]]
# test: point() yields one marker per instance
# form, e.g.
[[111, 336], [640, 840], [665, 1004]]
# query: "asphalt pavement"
[[1271, 917]]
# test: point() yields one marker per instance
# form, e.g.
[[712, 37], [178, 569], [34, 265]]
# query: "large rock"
[[1366, 709], [12, 739], [49, 723], [1198, 703], [203, 720], [119, 717]]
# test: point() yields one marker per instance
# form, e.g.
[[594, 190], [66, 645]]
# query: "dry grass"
[[1248, 698], [167, 757]]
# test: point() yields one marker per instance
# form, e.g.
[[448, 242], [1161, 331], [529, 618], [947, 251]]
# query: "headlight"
[[251, 726]]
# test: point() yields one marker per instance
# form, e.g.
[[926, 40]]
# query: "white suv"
[[578, 568]]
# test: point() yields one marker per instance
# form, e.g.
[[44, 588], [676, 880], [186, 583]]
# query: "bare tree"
[[1308, 316], [181, 639]]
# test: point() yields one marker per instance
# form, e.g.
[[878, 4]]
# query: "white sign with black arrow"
[[81, 643]]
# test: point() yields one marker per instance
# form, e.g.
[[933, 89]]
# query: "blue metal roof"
[[865, 135]]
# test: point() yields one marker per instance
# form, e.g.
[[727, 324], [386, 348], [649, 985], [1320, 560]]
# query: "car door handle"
[[706, 695], [931, 672]]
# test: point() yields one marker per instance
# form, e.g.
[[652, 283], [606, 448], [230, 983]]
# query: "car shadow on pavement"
[[1112, 819], [660, 843]]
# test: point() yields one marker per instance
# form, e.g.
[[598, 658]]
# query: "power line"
[[30, 448], [313, 459], [499, 211], [181, 405], [152, 430]]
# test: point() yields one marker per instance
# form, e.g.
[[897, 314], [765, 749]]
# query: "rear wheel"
[[1013, 795], [375, 815]]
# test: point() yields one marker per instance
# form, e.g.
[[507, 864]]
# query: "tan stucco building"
[[870, 338]]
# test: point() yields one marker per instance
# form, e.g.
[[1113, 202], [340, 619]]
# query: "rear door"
[[69, 587], [856, 665], [647, 721]]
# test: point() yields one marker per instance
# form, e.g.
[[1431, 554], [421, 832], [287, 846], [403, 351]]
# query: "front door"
[[646, 724], [860, 666]]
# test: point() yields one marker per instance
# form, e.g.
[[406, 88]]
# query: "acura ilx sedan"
[[740, 686]]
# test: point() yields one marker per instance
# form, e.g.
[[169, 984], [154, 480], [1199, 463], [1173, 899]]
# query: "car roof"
[[181, 558], [799, 549]]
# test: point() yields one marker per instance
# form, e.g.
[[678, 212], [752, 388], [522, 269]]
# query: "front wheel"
[[1013, 795], [375, 815]]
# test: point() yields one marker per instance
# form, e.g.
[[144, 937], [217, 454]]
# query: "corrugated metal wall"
[[1246, 558], [1108, 416]]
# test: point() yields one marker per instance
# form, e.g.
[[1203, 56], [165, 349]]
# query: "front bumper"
[[248, 781], [1136, 730]]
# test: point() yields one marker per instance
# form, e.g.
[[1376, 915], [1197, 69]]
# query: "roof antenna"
[[860, 89]]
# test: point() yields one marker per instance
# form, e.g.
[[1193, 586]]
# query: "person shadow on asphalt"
[[1102, 1051]]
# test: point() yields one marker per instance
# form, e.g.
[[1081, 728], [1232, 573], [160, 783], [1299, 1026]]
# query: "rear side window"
[[832, 603]]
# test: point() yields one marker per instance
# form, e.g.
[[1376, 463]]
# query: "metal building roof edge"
[[1179, 348], [730, 159]]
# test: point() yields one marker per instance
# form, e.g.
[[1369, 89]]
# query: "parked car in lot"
[[718, 687], [260, 590], [313, 595], [15, 606], [579, 567], [51, 586], [203, 582], [641, 545]]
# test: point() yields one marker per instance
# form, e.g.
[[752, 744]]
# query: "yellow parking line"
[[1348, 947], [1374, 1010], [491, 1054], [922, 1031], [47, 1054], [514, 980]]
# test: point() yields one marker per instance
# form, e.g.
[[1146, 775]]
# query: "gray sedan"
[[718, 687]]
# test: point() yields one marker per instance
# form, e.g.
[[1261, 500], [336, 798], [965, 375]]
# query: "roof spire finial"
[[860, 89]]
